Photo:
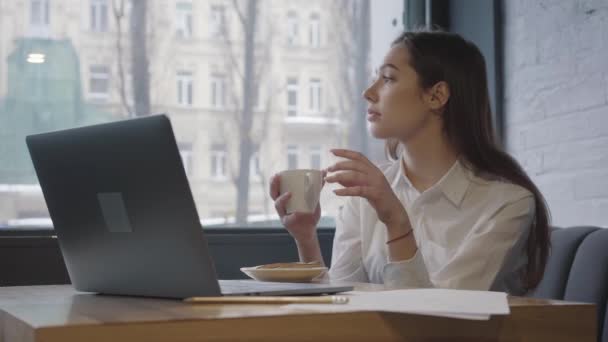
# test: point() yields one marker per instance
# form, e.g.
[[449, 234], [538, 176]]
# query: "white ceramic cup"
[[305, 188]]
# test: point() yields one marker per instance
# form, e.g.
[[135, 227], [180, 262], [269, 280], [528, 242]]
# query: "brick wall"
[[556, 102]]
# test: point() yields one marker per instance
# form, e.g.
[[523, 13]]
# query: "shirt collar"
[[453, 184]]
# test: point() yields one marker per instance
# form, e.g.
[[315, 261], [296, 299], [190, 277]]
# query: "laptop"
[[124, 215]]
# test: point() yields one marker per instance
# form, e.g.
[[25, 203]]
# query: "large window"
[[99, 15], [74, 63]]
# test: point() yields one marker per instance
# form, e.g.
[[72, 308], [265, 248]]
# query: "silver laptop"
[[124, 215]]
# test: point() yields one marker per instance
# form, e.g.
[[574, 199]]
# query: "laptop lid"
[[114, 192]]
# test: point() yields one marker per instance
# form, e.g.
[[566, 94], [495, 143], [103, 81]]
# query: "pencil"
[[268, 300]]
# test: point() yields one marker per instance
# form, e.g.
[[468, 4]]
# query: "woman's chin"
[[378, 131]]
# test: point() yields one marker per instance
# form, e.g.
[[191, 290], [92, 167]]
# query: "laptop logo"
[[114, 212]]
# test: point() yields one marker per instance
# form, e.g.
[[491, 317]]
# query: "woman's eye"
[[387, 79]]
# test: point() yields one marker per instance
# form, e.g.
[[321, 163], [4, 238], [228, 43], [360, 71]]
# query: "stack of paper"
[[478, 305]]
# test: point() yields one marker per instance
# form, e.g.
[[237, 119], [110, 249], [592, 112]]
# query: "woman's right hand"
[[301, 226]]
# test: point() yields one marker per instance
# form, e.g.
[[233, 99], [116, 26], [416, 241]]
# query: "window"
[[185, 152], [40, 13], [218, 91], [314, 31], [292, 157], [99, 15], [217, 21], [292, 96], [64, 67], [315, 157], [292, 28], [99, 82], [184, 88], [218, 162], [184, 20], [315, 95]]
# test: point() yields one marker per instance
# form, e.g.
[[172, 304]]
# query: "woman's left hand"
[[360, 177]]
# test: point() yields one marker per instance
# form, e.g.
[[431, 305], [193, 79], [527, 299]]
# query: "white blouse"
[[471, 233]]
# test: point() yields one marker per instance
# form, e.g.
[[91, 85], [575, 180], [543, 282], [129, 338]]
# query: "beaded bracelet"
[[400, 237]]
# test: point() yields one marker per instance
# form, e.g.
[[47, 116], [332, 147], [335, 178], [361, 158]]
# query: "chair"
[[588, 280], [564, 244], [577, 270]]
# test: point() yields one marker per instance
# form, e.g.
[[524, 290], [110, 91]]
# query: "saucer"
[[285, 274]]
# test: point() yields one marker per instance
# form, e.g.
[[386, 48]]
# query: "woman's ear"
[[438, 95]]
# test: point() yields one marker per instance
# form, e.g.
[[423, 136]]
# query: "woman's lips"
[[373, 116]]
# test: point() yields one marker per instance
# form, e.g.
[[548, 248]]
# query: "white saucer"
[[287, 275]]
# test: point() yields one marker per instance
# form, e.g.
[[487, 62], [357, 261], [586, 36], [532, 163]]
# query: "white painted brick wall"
[[556, 102]]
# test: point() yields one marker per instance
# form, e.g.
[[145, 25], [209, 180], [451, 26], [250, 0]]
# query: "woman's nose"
[[369, 94]]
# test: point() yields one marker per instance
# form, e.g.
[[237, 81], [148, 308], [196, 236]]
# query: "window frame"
[[185, 88], [43, 19], [314, 30], [293, 28], [97, 21], [184, 20], [315, 103], [292, 88], [217, 21], [218, 162], [99, 76], [217, 92], [293, 151]]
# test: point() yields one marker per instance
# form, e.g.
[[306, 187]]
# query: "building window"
[[315, 157], [184, 20], [314, 30], [184, 88], [292, 28], [99, 82], [292, 96], [217, 21], [315, 95], [185, 152], [99, 15], [40, 13], [218, 162], [218, 91], [292, 157]]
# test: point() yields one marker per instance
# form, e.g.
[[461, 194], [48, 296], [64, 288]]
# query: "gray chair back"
[[588, 279], [564, 244]]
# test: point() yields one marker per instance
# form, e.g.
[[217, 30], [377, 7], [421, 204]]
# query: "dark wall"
[[35, 259], [479, 21]]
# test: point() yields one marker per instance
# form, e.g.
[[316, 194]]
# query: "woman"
[[451, 209]]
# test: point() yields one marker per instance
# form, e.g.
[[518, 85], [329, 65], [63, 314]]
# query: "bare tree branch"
[[235, 4], [119, 13]]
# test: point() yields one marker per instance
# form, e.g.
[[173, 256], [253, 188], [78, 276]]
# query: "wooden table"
[[58, 313]]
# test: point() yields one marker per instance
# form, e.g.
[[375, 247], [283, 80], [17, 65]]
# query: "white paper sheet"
[[478, 305]]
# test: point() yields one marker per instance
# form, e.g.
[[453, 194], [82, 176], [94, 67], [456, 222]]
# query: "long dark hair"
[[441, 56]]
